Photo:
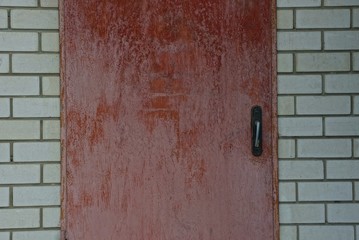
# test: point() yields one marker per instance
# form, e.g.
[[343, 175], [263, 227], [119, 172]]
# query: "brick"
[[4, 236], [324, 148], [50, 42], [51, 86], [286, 148], [36, 196], [20, 218], [49, 3], [356, 186], [356, 105], [37, 151], [51, 217], [51, 129], [300, 126], [299, 40], [51, 173], [4, 197], [284, 19], [36, 107], [323, 62], [19, 86], [342, 83], [34, 19], [4, 106], [35, 63], [19, 129], [3, 20], [356, 17], [343, 213], [4, 152], [341, 126], [323, 18], [325, 191], [4, 63], [356, 61], [18, 174], [298, 170], [288, 232], [356, 147], [326, 232], [287, 192], [341, 40], [285, 62], [299, 84], [341, 3], [19, 41], [316, 105], [296, 3], [18, 3], [38, 235], [343, 169], [285, 105], [301, 213]]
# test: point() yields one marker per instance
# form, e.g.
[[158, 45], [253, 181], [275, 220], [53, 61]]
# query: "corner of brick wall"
[[29, 120], [318, 95]]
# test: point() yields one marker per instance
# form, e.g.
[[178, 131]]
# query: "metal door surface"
[[156, 120]]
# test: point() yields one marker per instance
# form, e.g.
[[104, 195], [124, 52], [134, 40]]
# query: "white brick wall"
[[326, 232], [35, 63], [29, 120], [322, 62], [318, 119], [4, 63], [51, 217], [18, 3], [19, 218], [36, 196], [19, 85], [302, 213], [323, 18], [38, 235], [34, 19], [19, 41], [318, 108]]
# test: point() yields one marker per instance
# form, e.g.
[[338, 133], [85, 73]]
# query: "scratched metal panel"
[[156, 131]]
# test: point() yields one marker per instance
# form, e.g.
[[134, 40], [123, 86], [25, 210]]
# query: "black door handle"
[[256, 124]]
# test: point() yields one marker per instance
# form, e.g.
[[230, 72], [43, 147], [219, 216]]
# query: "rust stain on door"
[[156, 120]]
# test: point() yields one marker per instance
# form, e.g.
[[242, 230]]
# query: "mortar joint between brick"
[[11, 107], [41, 217], [294, 19], [325, 170], [11, 152], [39, 42], [8, 19], [11, 197], [353, 191], [296, 192]]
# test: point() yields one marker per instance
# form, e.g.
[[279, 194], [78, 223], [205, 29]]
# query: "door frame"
[[274, 119]]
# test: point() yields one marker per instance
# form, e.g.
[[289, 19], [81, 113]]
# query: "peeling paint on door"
[[156, 131]]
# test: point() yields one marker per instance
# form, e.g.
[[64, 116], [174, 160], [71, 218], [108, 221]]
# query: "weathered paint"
[[156, 134]]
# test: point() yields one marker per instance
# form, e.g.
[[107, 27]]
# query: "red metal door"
[[156, 129]]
